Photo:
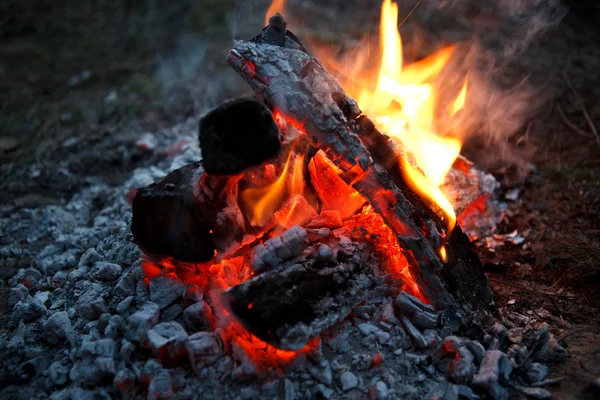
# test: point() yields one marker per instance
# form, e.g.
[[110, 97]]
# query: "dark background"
[[81, 80]]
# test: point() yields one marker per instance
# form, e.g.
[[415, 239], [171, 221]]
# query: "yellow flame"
[[276, 6], [403, 104], [459, 103], [264, 201]]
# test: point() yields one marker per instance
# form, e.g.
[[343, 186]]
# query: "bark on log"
[[296, 85]]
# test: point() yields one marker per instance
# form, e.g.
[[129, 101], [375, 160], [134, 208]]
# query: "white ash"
[[83, 323]]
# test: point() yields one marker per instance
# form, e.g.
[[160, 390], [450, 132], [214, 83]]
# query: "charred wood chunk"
[[464, 274], [164, 221], [236, 135], [288, 306], [188, 215]]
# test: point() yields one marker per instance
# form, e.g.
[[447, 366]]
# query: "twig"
[[583, 109], [550, 381], [571, 125], [410, 13]]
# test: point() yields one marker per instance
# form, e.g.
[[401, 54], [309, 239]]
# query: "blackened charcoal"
[[236, 135], [164, 220]]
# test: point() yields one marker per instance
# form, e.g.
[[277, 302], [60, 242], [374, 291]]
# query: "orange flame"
[[264, 201], [459, 103], [277, 6], [403, 104]]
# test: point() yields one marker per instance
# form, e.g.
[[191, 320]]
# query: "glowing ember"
[[385, 242]]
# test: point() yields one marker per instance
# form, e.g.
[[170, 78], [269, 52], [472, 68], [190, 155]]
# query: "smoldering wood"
[[236, 135], [187, 215], [275, 251], [288, 306], [297, 85]]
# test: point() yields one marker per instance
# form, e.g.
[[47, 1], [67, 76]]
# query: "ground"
[[81, 83]]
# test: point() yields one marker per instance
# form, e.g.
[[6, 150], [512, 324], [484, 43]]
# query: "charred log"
[[187, 215], [288, 306], [236, 135], [296, 85]]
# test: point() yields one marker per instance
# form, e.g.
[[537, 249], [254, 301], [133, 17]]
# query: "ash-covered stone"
[[58, 373], [124, 382], [322, 372], [289, 390], [198, 317], [115, 327], [125, 287], [326, 254], [379, 391], [167, 341], [27, 311], [91, 304], [454, 359], [348, 381], [476, 349], [19, 293], [171, 312], [537, 393], [537, 373], [161, 386], [495, 368], [165, 290], [203, 348], [124, 305], [142, 321], [58, 328], [106, 271]]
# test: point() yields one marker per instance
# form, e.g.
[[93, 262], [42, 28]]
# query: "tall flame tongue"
[[264, 201], [402, 105], [276, 6]]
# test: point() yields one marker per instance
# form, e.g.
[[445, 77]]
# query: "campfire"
[[308, 203], [321, 236]]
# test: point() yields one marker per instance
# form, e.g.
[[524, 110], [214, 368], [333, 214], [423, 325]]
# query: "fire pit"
[[312, 240], [303, 212]]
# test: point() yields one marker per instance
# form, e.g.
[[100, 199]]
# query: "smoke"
[[500, 59], [502, 48]]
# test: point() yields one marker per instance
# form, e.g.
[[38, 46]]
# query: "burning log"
[[188, 215], [295, 302], [236, 135], [300, 90]]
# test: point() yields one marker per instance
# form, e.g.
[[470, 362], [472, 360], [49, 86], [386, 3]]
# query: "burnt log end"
[[236, 135], [164, 221]]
